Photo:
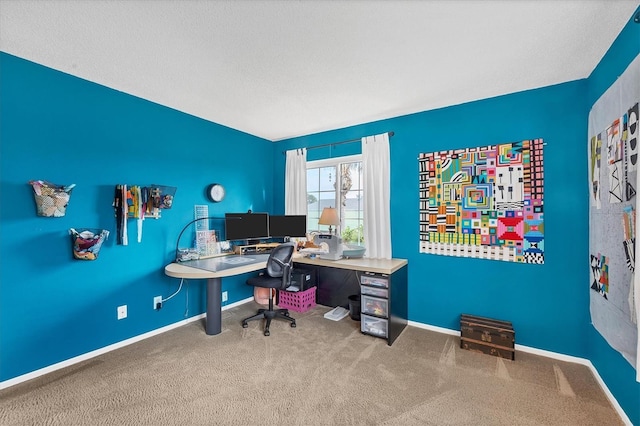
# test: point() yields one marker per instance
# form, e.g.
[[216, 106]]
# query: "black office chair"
[[277, 276]]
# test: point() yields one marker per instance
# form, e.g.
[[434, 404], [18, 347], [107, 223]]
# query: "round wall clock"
[[215, 192]]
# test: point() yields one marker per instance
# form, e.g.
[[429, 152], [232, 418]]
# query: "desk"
[[336, 280], [213, 270]]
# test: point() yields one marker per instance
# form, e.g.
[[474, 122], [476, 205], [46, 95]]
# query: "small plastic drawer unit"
[[374, 291], [374, 306], [375, 280], [375, 326]]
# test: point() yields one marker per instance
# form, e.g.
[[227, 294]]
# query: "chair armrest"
[[280, 262], [286, 276]]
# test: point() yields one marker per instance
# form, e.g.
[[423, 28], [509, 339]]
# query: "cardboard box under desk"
[[486, 335]]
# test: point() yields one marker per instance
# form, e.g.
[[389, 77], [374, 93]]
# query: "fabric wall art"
[[484, 202], [613, 180]]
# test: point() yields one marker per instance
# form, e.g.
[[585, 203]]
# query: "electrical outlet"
[[122, 312], [157, 302], [225, 296]]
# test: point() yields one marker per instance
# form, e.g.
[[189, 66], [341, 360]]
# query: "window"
[[336, 182]]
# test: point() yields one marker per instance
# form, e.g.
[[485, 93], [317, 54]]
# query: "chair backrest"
[[279, 262]]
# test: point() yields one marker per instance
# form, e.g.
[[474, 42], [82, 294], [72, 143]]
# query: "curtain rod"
[[336, 143]]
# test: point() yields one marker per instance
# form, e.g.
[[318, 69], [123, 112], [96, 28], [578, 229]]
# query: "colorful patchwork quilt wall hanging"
[[612, 160], [484, 202]]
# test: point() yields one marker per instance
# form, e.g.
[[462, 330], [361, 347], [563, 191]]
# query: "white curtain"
[[295, 184], [377, 184]]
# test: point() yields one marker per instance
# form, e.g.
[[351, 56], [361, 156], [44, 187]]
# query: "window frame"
[[336, 162]]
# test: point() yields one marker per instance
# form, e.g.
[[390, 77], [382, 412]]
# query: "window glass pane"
[[351, 200], [336, 183], [327, 179], [326, 199], [313, 196], [313, 179]]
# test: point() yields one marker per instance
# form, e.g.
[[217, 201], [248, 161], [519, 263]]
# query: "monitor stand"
[[258, 248]]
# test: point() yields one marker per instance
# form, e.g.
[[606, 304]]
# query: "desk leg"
[[214, 306]]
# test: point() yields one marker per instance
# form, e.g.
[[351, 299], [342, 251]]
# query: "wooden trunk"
[[486, 335]]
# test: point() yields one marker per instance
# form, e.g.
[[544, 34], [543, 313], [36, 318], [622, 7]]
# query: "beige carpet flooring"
[[321, 373]]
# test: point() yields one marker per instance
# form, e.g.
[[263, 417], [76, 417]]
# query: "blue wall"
[[66, 130], [545, 302], [613, 368]]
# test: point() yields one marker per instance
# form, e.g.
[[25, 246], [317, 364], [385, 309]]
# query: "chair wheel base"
[[293, 325], [266, 333], [245, 325]]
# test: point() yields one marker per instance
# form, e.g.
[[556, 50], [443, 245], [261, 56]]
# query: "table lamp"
[[329, 217]]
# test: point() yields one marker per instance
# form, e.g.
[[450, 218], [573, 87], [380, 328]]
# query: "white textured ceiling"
[[278, 69]]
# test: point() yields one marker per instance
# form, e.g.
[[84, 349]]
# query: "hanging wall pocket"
[[86, 242], [163, 196], [51, 199]]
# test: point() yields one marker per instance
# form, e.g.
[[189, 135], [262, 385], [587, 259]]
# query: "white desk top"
[[381, 266], [217, 267], [225, 266]]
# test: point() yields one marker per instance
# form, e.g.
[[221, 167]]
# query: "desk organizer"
[[299, 301]]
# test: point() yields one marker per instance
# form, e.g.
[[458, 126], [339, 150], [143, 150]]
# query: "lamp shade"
[[329, 217]]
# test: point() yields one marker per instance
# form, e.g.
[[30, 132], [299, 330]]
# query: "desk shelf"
[[255, 248]]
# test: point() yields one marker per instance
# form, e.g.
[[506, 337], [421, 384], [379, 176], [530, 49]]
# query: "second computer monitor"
[[282, 226]]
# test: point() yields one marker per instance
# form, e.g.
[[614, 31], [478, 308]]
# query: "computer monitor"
[[282, 226], [246, 226]]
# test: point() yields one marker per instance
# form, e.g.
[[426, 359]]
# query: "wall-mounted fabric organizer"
[[86, 242], [139, 202], [51, 199]]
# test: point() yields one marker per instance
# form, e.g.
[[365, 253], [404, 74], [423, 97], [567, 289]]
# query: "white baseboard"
[[548, 354], [434, 328], [57, 366]]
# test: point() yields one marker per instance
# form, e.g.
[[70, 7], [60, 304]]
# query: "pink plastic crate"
[[299, 301]]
